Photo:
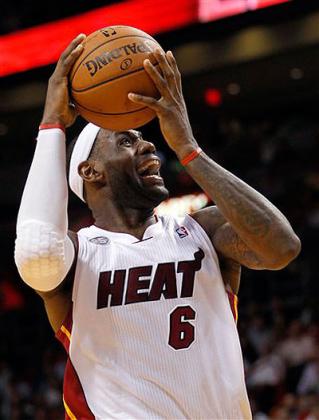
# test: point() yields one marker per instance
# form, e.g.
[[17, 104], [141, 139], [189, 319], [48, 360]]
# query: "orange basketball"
[[111, 66]]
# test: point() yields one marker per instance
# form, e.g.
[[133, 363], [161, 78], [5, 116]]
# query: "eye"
[[125, 141]]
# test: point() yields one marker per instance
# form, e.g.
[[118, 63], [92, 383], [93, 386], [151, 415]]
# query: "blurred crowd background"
[[255, 114]]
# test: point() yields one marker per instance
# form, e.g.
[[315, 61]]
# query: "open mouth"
[[149, 170]]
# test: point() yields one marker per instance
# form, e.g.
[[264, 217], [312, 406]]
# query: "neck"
[[115, 218]]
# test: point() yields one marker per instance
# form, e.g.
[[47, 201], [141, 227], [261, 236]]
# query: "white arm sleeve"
[[43, 251]]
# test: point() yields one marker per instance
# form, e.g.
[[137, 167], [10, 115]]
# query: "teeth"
[[151, 167], [152, 176]]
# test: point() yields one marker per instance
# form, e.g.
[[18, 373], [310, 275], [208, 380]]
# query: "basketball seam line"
[[110, 80], [107, 42], [111, 113]]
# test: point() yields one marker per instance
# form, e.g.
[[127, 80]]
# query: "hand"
[[58, 108], [170, 108]]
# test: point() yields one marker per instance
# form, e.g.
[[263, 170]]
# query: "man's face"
[[132, 168]]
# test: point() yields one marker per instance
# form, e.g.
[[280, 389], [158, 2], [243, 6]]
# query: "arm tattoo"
[[242, 209], [261, 234], [250, 214], [229, 244]]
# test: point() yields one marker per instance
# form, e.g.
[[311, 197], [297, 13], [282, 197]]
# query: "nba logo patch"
[[100, 240], [182, 232]]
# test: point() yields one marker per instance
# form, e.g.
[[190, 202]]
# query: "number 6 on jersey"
[[181, 332]]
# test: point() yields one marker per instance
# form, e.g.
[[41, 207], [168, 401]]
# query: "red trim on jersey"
[[64, 333], [73, 394], [233, 301], [74, 399]]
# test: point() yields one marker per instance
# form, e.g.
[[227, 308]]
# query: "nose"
[[145, 147]]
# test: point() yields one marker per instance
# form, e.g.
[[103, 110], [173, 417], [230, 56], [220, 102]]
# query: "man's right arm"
[[44, 253], [57, 302]]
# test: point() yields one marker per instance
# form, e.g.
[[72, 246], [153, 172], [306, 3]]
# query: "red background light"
[[213, 97], [42, 45]]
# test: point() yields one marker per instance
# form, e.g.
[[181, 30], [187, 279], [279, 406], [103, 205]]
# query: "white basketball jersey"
[[153, 335]]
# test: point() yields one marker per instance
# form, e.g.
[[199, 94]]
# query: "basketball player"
[[140, 301]]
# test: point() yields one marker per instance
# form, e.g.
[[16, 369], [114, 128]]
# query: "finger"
[[173, 64], [144, 100], [70, 54], [72, 57], [165, 67], [73, 44], [155, 75]]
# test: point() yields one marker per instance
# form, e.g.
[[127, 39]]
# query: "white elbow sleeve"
[[42, 255]]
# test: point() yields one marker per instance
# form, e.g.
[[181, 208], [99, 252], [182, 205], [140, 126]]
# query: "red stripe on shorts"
[[74, 395]]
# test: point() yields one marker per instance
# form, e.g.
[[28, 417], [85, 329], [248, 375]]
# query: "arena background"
[[250, 81]]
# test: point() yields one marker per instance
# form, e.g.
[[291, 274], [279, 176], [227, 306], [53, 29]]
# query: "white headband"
[[80, 153]]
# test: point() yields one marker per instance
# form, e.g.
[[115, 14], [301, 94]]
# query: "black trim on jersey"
[[142, 240]]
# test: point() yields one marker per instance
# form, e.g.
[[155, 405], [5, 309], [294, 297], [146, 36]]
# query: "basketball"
[[111, 66]]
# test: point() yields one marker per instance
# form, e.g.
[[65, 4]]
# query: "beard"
[[130, 191]]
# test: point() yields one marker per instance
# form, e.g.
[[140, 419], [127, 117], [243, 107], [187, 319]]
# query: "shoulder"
[[183, 223], [210, 219]]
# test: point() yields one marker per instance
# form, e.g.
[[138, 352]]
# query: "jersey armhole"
[[203, 236], [232, 297], [233, 301], [78, 256]]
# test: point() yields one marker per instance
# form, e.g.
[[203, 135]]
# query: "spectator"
[[309, 381], [265, 378], [296, 349]]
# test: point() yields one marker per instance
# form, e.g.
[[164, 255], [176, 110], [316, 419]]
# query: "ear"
[[91, 171]]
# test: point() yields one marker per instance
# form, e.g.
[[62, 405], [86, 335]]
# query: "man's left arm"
[[262, 236], [229, 244], [254, 233]]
